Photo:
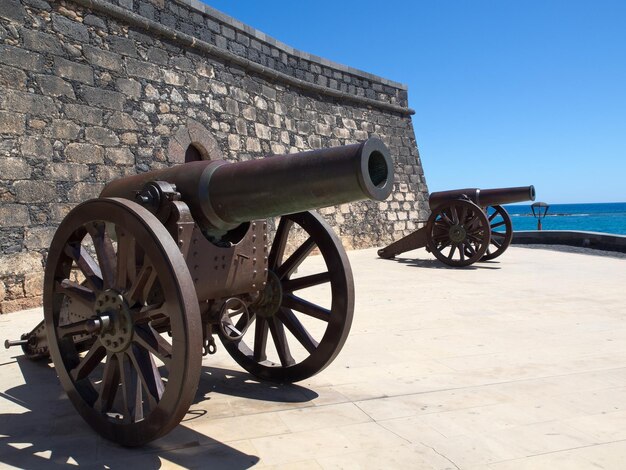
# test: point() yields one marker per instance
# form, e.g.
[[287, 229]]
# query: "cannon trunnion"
[[465, 225], [139, 281]]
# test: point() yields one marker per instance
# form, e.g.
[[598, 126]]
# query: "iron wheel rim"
[[160, 402], [290, 313]]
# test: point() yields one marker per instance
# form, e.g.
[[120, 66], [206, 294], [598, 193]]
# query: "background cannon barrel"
[[484, 197], [222, 195]]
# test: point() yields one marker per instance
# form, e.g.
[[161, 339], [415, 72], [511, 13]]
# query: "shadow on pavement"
[[51, 434], [436, 264]]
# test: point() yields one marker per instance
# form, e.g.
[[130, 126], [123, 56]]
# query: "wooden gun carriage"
[[139, 280], [465, 225]]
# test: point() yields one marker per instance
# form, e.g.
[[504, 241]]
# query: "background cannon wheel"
[[458, 233], [114, 282], [500, 240], [306, 309]]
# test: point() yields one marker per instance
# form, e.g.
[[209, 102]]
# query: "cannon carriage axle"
[[140, 280]]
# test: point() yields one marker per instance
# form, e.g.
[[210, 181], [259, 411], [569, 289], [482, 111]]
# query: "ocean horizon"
[[606, 217]]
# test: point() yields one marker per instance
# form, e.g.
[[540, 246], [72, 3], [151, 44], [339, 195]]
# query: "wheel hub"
[[111, 309], [457, 233], [271, 297]]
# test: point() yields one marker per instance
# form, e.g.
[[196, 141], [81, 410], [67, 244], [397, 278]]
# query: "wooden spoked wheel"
[[302, 318], [501, 232], [122, 320], [458, 233]]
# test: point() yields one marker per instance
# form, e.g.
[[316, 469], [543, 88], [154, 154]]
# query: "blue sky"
[[506, 93]]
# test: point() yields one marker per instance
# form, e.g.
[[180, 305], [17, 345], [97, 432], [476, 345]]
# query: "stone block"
[[64, 129], [33, 284], [234, 142], [59, 211], [55, 86], [122, 45], [35, 191], [20, 263], [8, 306], [12, 168], [73, 71], [84, 153], [173, 78], [12, 123], [131, 88], [12, 78], [104, 98], [101, 136], [37, 146], [101, 58], [120, 156], [14, 215], [83, 191], [83, 114], [138, 68], [28, 103], [37, 238], [12, 10], [122, 121], [262, 132], [93, 20], [69, 28], [253, 144], [67, 172], [158, 56], [42, 42]]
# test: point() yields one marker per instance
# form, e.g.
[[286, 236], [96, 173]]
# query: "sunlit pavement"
[[519, 363]]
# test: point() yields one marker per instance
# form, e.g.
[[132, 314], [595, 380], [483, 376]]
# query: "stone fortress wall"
[[92, 90]]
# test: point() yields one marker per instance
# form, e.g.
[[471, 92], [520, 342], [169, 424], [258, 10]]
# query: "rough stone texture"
[[86, 98]]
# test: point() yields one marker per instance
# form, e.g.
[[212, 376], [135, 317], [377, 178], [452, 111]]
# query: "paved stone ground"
[[519, 363]]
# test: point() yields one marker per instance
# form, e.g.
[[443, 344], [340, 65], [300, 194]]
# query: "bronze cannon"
[[465, 225], [140, 280]]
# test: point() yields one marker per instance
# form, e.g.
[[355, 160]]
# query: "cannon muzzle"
[[484, 197], [223, 195]]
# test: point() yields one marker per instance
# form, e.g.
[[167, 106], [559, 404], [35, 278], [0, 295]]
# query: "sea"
[[607, 217]]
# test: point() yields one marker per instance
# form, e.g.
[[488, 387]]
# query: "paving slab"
[[518, 363]]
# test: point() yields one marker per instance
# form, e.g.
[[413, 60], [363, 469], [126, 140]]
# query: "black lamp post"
[[540, 209]]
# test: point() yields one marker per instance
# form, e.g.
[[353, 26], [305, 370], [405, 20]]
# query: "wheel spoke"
[[470, 249], [297, 329], [280, 341], [260, 339], [296, 259], [452, 250], [497, 243], [280, 242], [150, 340], [94, 356], [150, 313], [110, 384], [454, 215], [493, 216], [462, 251], [129, 383], [104, 251], [126, 259], [306, 307], [472, 223], [81, 294], [140, 289], [148, 375], [86, 264], [306, 281]]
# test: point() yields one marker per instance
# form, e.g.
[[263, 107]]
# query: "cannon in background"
[[139, 280], [465, 225]]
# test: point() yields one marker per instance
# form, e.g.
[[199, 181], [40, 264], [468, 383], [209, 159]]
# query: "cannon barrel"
[[223, 195], [484, 197]]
